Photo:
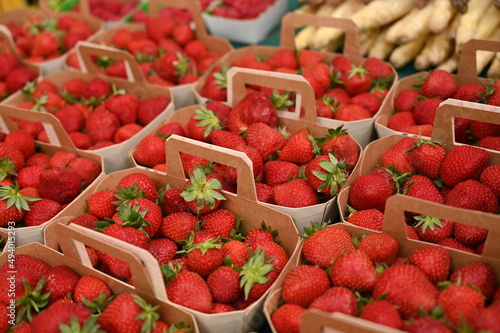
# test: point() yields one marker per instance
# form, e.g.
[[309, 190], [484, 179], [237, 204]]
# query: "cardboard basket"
[[115, 156], [73, 240], [20, 16], [244, 204], [59, 141], [237, 79], [182, 94], [247, 31], [315, 321], [466, 73], [443, 132], [361, 130]]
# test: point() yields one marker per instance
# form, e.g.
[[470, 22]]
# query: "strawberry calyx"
[[14, 198], [170, 271], [7, 168], [182, 65], [427, 222], [281, 101], [93, 101], [255, 271], [357, 70], [132, 217], [29, 88], [127, 194], [424, 142], [33, 301], [208, 119], [115, 91], [179, 328], [148, 315], [40, 103], [202, 191], [98, 304], [104, 61], [144, 57], [335, 175], [209, 244], [221, 77], [89, 326], [314, 226]]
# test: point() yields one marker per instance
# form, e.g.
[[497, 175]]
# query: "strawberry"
[[275, 253], [307, 57], [283, 58], [222, 307], [369, 192], [470, 91], [357, 80], [215, 86], [202, 124], [158, 28], [279, 172], [224, 284], [318, 76], [434, 261], [224, 138], [12, 160], [480, 275], [124, 106], [150, 212], [422, 324], [86, 220], [439, 83], [422, 187], [372, 219], [61, 185], [368, 101], [22, 140], [380, 248], [196, 49], [126, 132], [427, 157], [172, 201], [219, 222], [398, 156], [493, 98], [341, 145], [407, 287], [490, 177], [454, 244], [13, 205], [425, 110], [382, 312], [378, 69], [163, 249], [304, 284], [486, 320], [295, 194], [220, 109], [45, 44], [61, 159], [265, 139], [460, 303], [471, 236], [149, 109], [71, 118], [257, 275], [339, 95], [102, 126], [471, 194], [177, 226], [401, 121], [96, 88], [254, 107], [287, 318], [300, 148], [326, 174], [336, 299], [10, 62], [481, 129], [74, 87], [352, 112], [204, 255], [433, 230], [406, 100], [61, 313], [190, 290], [182, 33], [87, 169], [264, 233], [202, 195], [462, 163], [354, 270], [490, 142], [61, 281], [143, 182], [238, 252], [128, 313], [150, 151], [332, 241], [101, 204]]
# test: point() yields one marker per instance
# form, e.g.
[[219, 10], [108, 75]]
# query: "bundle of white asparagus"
[[429, 33]]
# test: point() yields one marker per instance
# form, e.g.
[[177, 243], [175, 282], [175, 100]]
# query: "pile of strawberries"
[[198, 244], [94, 113], [415, 109], [36, 186], [167, 51], [236, 9], [40, 40], [461, 177], [57, 299], [290, 169], [13, 75], [110, 10], [420, 293], [344, 91]]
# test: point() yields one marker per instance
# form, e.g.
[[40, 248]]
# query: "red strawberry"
[[378, 68], [460, 303], [477, 274], [318, 76], [454, 244], [401, 121], [202, 124], [177, 226], [433, 230], [380, 248], [254, 107], [470, 236], [300, 148], [406, 100], [357, 80], [202, 195], [257, 275], [354, 270], [296, 193], [204, 253], [352, 112], [382, 312], [368, 101], [326, 174], [102, 126], [287, 318], [372, 219], [60, 313], [215, 87], [336, 299], [196, 49], [279, 172], [45, 44], [333, 242], [61, 282], [304, 284], [425, 110], [471, 194], [22, 140], [96, 88], [219, 222], [462, 163], [486, 319], [172, 201], [163, 249], [237, 251], [265, 139], [369, 191], [190, 290], [283, 58], [101, 204], [422, 324], [490, 177], [422, 187], [149, 109], [150, 151], [434, 261], [224, 284], [490, 142], [470, 91], [61, 185], [307, 57], [71, 118], [398, 156], [275, 253], [481, 129], [227, 139], [124, 106], [86, 220], [427, 157], [61, 159], [173, 66], [439, 83], [494, 97]]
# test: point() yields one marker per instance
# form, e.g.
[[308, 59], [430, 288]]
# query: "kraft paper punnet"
[[59, 141], [238, 78], [115, 156], [20, 16], [361, 130], [247, 31], [244, 204], [74, 238], [316, 321], [443, 132], [466, 73], [6, 35], [182, 94]]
